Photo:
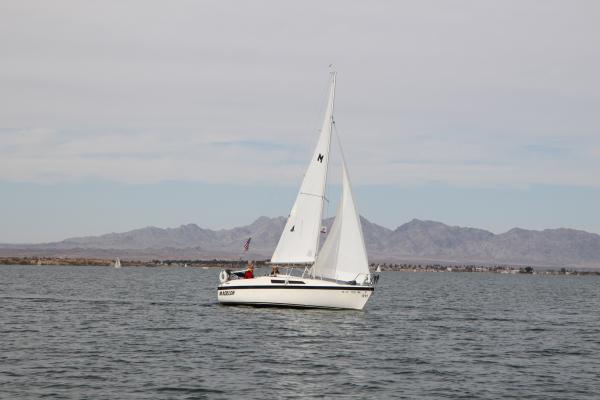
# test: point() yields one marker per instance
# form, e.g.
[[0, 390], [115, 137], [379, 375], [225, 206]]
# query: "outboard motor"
[[224, 275], [374, 278]]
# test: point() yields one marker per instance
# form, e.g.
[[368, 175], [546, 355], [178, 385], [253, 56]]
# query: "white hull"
[[287, 291]]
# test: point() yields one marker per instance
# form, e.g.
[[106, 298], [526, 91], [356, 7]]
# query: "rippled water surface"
[[156, 333]]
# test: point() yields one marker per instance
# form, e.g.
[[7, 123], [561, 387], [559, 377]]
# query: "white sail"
[[344, 256], [299, 240]]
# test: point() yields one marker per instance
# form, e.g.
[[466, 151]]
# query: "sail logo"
[[320, 158]]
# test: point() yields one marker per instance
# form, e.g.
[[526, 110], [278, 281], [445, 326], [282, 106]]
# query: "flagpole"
[[246, 247]]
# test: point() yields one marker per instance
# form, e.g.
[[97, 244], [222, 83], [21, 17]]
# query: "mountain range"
[[415, 241]]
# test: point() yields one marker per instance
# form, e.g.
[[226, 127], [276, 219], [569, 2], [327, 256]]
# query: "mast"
[[331, 122]]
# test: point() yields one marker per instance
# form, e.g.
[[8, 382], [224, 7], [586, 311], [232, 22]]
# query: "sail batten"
[[299, 240]]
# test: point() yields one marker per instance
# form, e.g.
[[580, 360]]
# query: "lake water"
[[156, 333]]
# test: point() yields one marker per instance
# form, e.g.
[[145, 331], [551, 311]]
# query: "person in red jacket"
[[249, 274]]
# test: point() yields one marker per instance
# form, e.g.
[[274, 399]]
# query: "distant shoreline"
[[102, 262], [238, 264]]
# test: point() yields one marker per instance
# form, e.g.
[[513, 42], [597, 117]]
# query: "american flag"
[[247, 244]]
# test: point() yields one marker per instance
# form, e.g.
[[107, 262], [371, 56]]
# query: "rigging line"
[[337, 135], [333, 76], [339, 141]]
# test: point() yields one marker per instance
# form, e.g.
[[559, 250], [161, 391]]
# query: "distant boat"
[[117, 263], [338, 275], [378, 268]]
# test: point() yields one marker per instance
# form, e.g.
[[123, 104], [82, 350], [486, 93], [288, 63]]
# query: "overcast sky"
[[120, 114]]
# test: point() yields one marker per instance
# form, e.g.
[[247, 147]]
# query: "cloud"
[[54, 156], [464, 93], [49, 156]]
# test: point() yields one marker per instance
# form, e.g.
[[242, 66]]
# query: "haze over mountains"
[[417, 240]]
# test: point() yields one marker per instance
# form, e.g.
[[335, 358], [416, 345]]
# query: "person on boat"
[[249, 274], [274, 270]]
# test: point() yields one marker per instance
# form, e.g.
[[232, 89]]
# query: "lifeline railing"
[[369, 278]]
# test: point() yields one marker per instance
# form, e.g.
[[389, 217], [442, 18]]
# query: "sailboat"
[[117, 263], [338, 275]]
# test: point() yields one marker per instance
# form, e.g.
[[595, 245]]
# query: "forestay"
[[299, 240], [344, 256]]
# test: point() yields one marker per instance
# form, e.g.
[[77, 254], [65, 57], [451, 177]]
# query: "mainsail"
[[343, 255], [299, 241]]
